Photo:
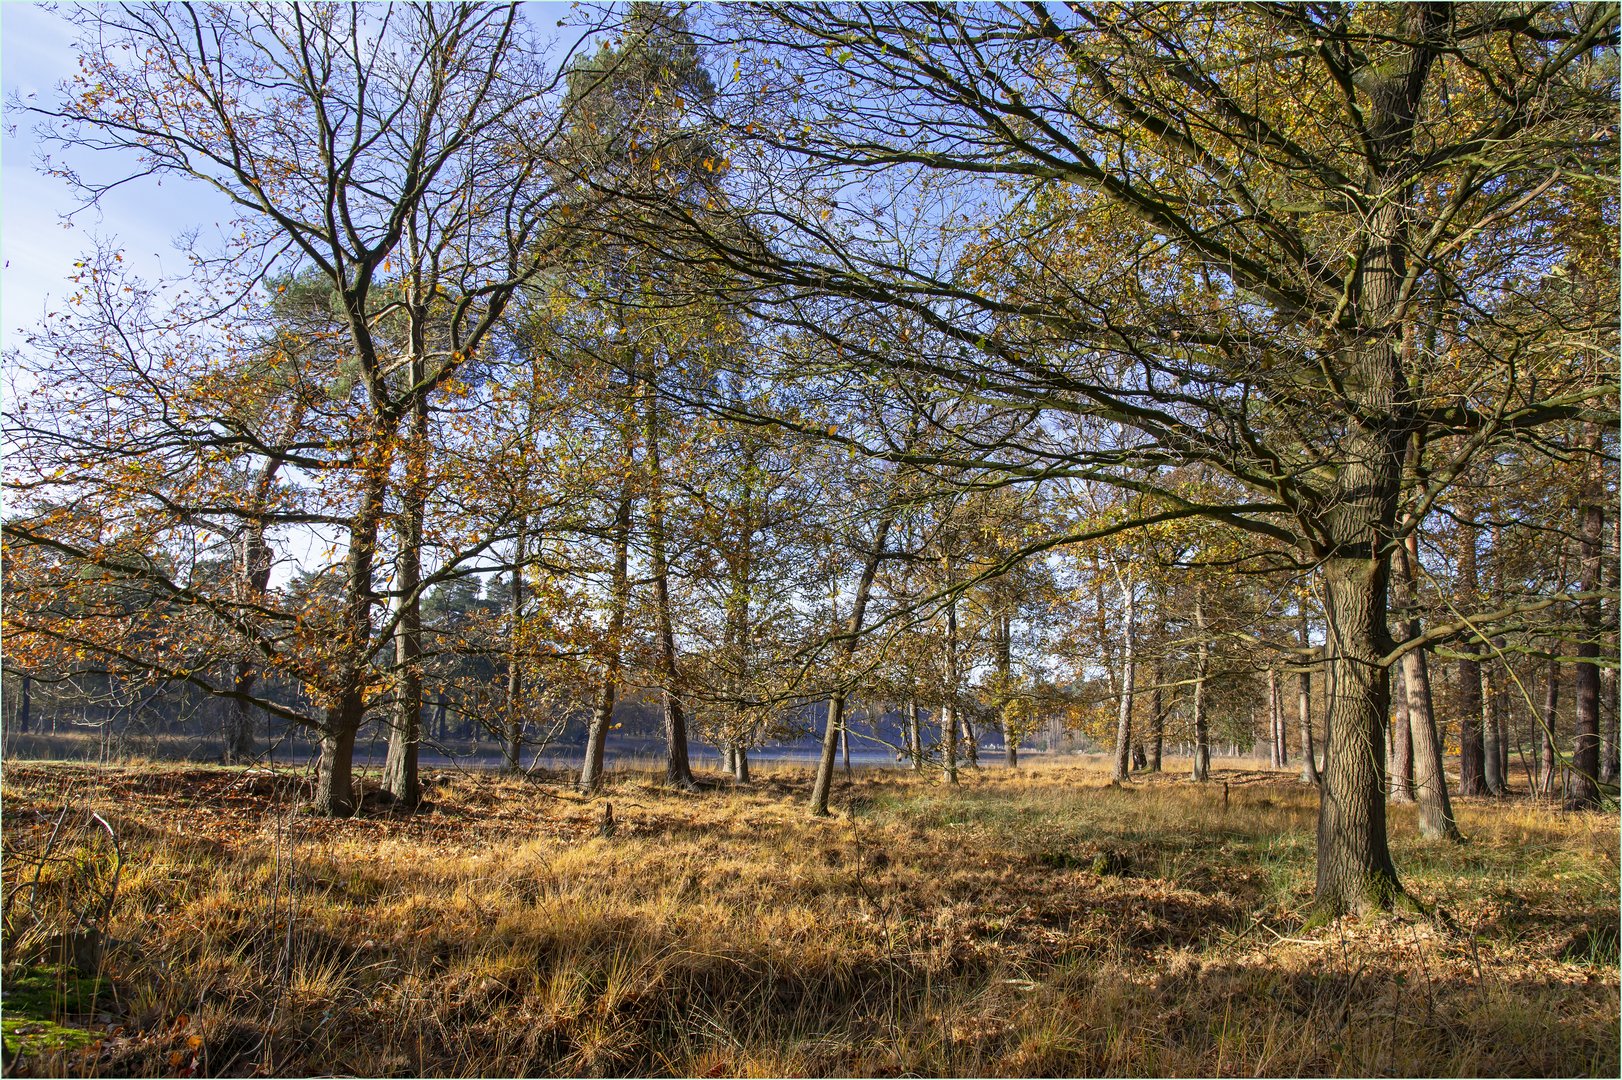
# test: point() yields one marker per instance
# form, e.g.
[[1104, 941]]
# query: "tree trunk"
[[1309, 754], [844, 746], [1355, 872], [602, 717], [1610, 758], [334, 787], [740, 764], [1157, 719], [25, 704], [334, 793], [1123, 717], [971, 742], [823, 783], [678, 767], [1436, 821], [1548, 767], [400, 766], [916, 732], [513, 763], [1582, 791], [1472, 752], [1275, 721], [1202, 666], [949, 708], [1004, 660], [1493, 773], [1402, 742], [253, 579]]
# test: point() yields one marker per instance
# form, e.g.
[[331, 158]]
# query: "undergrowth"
[[1032, 923]]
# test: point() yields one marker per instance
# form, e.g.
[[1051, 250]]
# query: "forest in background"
[[1232, 376]]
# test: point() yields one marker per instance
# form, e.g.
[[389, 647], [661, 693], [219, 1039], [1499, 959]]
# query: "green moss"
[[36, 1002]]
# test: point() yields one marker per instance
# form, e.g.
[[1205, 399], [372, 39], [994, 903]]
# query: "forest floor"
[[1038, 922]]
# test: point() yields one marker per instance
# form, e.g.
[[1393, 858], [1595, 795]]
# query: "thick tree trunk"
[[823, 784], [334, 784], [1202, 666], [1355, 872], [740, 764], [334, 793], [513, 759], [1582, 789], [602, 716]]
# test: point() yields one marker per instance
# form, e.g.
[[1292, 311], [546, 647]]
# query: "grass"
[[1032, 923]]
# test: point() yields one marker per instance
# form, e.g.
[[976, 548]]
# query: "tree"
[[1251, 261], [397, 153]]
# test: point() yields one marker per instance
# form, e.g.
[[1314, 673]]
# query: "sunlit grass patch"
[[1032, 922]]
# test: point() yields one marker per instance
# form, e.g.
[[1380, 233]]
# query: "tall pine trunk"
[[1582, 790], [678, 767]]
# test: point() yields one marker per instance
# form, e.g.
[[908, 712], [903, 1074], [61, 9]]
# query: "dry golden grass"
[[1031, 923]]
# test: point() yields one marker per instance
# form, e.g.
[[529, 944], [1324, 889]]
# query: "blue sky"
[[143, 219], [37, 247]]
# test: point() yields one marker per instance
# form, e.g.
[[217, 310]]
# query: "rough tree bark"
[[1582, 789]]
